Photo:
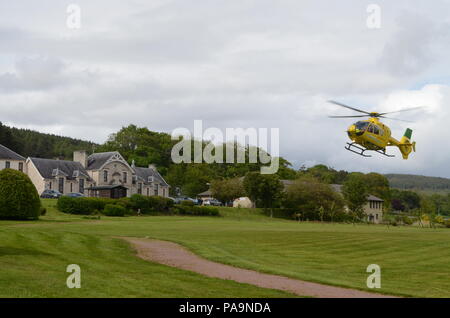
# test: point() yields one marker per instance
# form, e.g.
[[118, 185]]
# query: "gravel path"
[[174, 255]]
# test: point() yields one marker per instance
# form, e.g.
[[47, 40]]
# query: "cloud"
[[250, 63]]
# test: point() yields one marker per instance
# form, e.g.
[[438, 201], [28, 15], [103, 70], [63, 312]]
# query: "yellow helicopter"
[[373, 135]]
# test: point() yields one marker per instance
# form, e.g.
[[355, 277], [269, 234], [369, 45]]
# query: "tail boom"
[[405, 145]]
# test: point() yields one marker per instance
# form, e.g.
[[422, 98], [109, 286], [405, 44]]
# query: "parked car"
[[75, 195], [51, 194], [212, 202]]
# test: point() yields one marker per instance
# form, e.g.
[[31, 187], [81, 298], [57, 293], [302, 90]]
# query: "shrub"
[[43, 211], [74, 205], [125, 202], [152, 204], [407, 220], [187, 203], [18, 197], [139, 202], [114, 210], [83, 206], [195, 210]]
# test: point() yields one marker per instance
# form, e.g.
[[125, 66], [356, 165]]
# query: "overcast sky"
[[232, 63]]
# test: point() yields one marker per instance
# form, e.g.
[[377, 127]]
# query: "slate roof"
[[144, 173], [49, 168], [6, 153], [97, 160]]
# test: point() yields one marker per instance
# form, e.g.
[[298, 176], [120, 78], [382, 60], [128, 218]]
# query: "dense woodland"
[[145, 147], [30, 143], [415, 182]]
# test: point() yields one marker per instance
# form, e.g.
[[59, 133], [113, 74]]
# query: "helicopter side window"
[[370, 129], [376, 130], [361, 125]]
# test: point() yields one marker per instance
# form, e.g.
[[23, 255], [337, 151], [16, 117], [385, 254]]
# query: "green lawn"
[[34, 255]]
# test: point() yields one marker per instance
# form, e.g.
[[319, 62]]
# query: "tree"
[[19, 199], [313, 199], [196, 180], [263, 189], [428, 209], [397, 205], [228, 189], [378, 185], [355, 193]]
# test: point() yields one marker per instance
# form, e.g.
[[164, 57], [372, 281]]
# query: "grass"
[[34, 255]]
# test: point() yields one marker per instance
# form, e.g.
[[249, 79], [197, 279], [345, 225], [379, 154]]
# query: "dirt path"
[[174, 255]]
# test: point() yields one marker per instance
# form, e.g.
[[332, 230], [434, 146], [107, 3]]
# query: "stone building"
[[105, 174]]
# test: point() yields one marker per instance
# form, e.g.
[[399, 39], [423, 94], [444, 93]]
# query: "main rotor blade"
[[403, 110], [346, 106], [406, 121], [355, 116]]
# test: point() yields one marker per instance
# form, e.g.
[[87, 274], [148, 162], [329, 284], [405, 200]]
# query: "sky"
[[233, 64]]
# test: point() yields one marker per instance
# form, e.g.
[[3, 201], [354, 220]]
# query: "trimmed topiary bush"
[[114, 210], [19, 199]]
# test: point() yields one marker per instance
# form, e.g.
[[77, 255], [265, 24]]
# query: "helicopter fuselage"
[[372, 134]]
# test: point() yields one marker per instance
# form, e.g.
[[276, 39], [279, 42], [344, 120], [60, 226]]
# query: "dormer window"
[[150, 179]]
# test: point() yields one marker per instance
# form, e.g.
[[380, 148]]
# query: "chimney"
[[81, 157], [152, 166]]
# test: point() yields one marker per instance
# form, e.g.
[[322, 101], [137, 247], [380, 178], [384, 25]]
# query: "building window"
[[148, 192], [61, 185], [50, 185], [7, 164], [105, 176], [125, 177], [156, 189], [21, 166], [82, 186], [164, 192], [140, 188], [376, 216], [71, 187]]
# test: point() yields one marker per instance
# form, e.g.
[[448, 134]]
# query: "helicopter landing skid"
[[361, 151], [356, 149]]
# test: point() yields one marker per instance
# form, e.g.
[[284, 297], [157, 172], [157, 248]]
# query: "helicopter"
[[373, 135]]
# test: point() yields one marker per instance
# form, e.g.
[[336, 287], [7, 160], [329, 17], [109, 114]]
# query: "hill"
[[30, 143], [420, 183]]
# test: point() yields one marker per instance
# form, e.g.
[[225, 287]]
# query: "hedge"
[[19, 199], [137, 202], [114, 210], [84, 206], [196, 210], [150, 205]]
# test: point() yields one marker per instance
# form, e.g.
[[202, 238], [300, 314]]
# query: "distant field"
[[34, 255]]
